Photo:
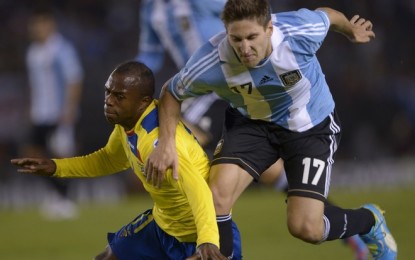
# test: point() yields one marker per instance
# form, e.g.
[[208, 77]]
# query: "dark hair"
[[143, 76], [237, 10], [43, 14], [44, 10]]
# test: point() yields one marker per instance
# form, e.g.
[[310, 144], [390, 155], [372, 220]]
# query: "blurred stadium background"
[[373, 85]]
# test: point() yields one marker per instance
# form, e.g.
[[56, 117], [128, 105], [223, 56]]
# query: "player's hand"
[[160, 160], [362, 30], [207, 251], [38, 166]]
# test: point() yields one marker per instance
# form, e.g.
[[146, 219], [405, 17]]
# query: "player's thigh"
[[227, 182], [273, 173]]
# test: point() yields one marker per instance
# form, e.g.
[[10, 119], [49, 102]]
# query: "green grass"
[[260, 214], [262, 221]]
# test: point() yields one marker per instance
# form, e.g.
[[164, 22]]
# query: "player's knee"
[[306, 230], [222, 200]]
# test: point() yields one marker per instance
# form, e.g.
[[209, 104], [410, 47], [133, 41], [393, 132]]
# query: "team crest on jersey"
[[291, 78], [219, 147]]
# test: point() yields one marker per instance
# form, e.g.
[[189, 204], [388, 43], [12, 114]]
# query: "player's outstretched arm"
[[38, 166], [207, 251], [164, 155], [357, 29]]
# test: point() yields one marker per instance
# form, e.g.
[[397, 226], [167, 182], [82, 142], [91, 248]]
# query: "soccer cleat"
[[358, 246], [379, 240]]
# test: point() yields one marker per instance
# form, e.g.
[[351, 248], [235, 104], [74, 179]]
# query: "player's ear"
[[269, 28], [144, 102], [147, 99]]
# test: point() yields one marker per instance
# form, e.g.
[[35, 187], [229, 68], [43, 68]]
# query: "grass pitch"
[[260, 214]]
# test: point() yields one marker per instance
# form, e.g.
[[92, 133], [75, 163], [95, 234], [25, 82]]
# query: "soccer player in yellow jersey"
[[182, 222]]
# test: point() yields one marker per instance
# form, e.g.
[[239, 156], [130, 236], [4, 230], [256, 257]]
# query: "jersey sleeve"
[[177, 87], [192, 173], [195, 78], [108, 160], [306, 29]]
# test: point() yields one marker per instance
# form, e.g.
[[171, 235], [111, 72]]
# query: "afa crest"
[[291, 78], [219, 147]]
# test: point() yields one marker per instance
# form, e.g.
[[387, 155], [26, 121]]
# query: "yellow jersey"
[[182, 208]]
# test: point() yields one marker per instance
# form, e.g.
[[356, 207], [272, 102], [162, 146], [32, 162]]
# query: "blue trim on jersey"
[[132, 142], [150, 122], [132, 139], [187, 129]]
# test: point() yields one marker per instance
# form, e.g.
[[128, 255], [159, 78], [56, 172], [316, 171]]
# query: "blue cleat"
[[358, 246], [379, 240]]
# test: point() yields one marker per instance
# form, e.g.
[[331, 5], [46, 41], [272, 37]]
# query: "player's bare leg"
[[271, 175], [227, 182], [305, 218]]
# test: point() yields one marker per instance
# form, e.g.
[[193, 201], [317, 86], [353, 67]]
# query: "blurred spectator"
[[55, 78], [178, 27]]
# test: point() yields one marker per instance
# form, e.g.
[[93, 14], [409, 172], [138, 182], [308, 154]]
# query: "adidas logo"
[[265, 79]]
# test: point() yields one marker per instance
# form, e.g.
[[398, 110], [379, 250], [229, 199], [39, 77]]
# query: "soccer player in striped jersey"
[[179, 28], [182, 222], [56, 77], [265, 66]]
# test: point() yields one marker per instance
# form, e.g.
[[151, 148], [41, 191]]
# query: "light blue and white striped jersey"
[[52, 67], [179, 27], [288, 89]]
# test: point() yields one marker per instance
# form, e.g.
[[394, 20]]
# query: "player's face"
[[40, 28], [123, 103], [250, 40]]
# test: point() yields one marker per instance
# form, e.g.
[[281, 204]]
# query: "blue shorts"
[[144, 239]]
